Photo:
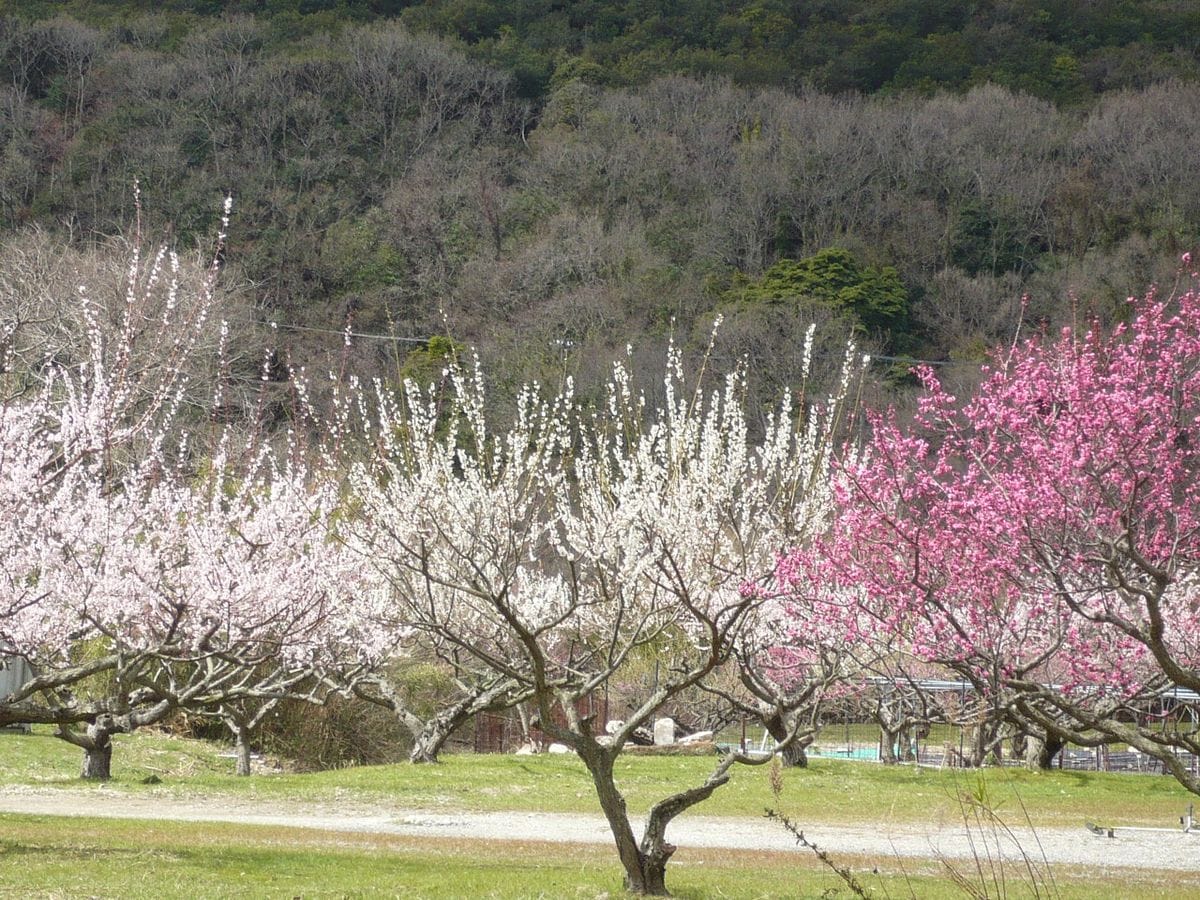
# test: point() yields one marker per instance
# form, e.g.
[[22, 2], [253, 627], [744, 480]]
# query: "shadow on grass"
[[9, 850]]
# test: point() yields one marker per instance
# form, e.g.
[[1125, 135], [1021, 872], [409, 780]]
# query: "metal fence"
[[1071, 758]]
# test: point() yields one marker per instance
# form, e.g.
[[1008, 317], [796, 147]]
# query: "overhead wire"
[[425, 340], [358, 334]]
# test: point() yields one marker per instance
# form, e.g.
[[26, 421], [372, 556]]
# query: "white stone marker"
[[664, 731]]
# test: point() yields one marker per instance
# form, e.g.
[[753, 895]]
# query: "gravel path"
[[1129, 849]]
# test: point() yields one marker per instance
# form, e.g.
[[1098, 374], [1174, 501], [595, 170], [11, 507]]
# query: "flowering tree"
[[1041, 538], [152, 561], [553, 556], [448, 514], [67, 433], [895, 576], [676, 518], [204, 594]]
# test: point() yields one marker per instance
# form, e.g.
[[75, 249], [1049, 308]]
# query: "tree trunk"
[[642, 875], [432, 735], [887, 745], [1040, 753], [526, 731], [654, 873], [96, 739], [1032, 749], [645, 863], [96, 743], [429, 736], [97, 760], [428, 743], [904, 738], [982, 739], [241, 746], [794, 755], [975, 753], [654, 851]]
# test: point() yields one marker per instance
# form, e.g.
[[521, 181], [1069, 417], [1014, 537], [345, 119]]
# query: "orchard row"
[[1038, 539]]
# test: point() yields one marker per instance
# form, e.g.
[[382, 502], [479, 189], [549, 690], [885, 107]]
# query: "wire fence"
[[941, 745], [944, 746]]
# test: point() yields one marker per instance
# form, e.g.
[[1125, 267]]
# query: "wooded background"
[[550, 181]]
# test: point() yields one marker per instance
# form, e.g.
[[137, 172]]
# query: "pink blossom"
[[1043, 531]]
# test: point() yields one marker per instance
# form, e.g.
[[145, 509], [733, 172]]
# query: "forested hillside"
[[552, 181], [1062, 50]]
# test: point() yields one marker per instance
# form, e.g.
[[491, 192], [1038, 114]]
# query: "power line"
[[916, 362], [410, 340], [358, 334]]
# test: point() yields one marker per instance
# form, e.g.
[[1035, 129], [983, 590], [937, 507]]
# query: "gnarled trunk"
[[97, 761], [428, 742], [906, 743], [242, 719], [655, 851], [96, 743], [794, 754], [430, 735], [645, 863], [981, 739], [96, 739], [889, 738], [896, 720], [1040, 752], [642, 876], [526, 731]]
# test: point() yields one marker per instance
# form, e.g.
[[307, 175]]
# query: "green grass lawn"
[[56, 857], [827, 791]]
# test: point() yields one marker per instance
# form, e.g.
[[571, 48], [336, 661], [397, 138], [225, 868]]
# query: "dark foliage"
[[407, 184]]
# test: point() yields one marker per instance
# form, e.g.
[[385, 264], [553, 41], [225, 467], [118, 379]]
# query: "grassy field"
[[55, 857], [827, 791]]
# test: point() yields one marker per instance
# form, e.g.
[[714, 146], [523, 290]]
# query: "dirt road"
[[1127, 849]]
